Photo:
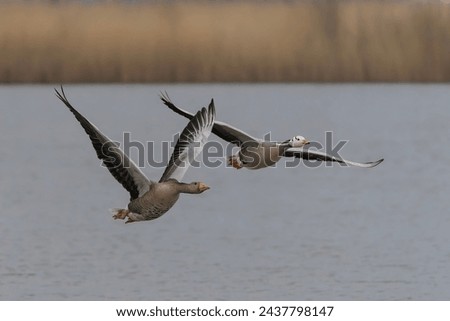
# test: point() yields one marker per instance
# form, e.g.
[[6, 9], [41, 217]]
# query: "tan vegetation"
[[244, 42]]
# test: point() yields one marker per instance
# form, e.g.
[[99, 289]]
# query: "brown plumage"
[[148, 199]]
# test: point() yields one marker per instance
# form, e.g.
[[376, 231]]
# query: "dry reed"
[[226, 42]]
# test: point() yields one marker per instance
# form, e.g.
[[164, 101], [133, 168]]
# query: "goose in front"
[[255, 153], [148, 199]]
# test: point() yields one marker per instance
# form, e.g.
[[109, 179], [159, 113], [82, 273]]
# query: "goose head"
[[298, 141], [201, 187]]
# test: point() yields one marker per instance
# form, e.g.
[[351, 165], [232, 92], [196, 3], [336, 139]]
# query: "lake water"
[[326, 233]]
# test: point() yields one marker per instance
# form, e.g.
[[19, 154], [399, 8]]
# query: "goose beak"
[[307, 142], [203, 187]]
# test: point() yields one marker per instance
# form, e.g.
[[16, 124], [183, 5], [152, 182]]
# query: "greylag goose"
[[255, 153], [148, 199]]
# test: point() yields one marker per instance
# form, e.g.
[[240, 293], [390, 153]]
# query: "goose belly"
[[259, 157], [151, 206]]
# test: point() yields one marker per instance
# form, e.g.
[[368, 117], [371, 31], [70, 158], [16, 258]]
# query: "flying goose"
[[255, 153], [148, 199]]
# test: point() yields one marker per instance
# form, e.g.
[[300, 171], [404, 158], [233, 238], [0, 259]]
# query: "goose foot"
[[120, 213], [235, 162]]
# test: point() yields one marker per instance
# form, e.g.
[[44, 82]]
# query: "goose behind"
[[255, 153]]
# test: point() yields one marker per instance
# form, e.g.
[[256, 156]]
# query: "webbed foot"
[[120, 214], [235, 162]]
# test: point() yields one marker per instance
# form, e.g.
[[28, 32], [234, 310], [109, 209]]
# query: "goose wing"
[[119, 165], [223, 130], [321, 156], [192, 139]]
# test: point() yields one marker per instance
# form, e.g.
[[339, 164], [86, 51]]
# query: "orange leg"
[[121, 214], [234, 161]]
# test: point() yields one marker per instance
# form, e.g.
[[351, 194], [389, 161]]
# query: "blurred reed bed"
[[225, 42]]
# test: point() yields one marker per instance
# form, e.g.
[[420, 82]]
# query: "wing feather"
[[223, 130], [321, 156], [119, 165], [190, 143]]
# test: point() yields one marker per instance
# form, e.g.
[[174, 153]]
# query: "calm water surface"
[[327, 233]]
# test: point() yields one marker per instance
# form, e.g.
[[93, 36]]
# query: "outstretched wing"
[[119, 165], [223, 130], [190, 143], [320, 156]]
